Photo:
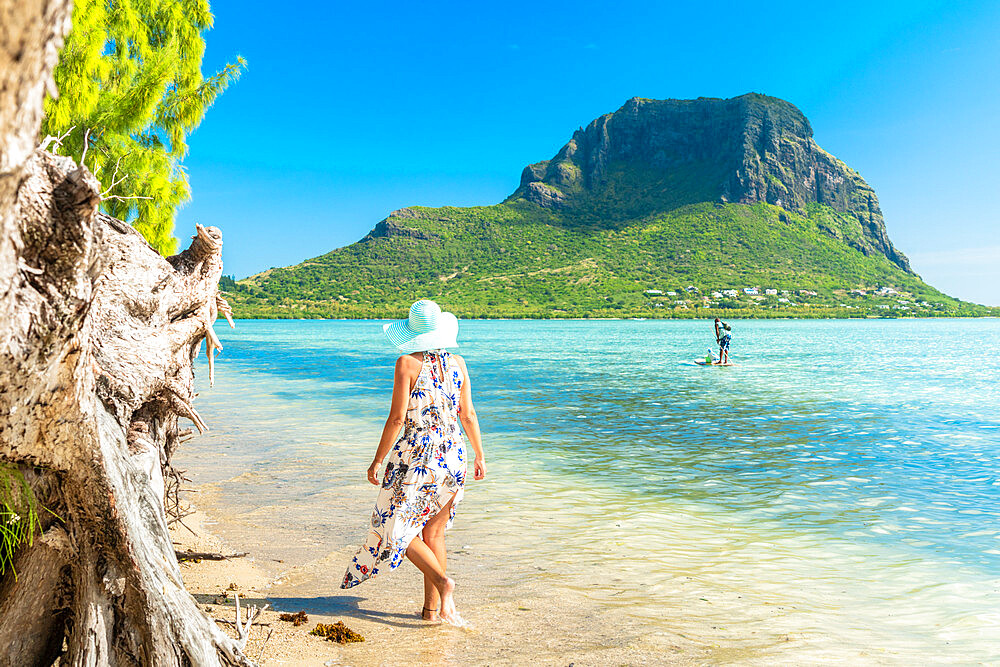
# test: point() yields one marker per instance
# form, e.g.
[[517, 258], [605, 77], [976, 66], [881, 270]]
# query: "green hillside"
[[600, 229]]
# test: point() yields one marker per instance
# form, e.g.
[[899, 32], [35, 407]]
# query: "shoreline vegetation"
[[835, 314], [245, 309]]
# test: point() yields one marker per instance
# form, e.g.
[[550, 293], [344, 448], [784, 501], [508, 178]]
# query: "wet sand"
[[513, 622]]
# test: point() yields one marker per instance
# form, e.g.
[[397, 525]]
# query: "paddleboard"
[[702, 362]]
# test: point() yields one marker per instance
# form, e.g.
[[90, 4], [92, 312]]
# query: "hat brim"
[[403, 338]]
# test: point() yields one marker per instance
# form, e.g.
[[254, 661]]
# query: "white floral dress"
[[425, 468]]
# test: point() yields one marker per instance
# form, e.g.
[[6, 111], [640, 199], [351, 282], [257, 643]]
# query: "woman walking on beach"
[[424, 476]]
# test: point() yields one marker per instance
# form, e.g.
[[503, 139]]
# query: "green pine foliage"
[[227, 284], [130, 92]]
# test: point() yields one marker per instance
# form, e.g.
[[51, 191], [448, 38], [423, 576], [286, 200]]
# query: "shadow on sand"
[[345, 605]]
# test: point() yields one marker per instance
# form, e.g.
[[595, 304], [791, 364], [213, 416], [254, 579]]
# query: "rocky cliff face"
[[755, 149], [393, 226]]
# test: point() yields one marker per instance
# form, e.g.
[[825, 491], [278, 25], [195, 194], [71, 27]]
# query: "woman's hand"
[[479, 469], [373, 472]]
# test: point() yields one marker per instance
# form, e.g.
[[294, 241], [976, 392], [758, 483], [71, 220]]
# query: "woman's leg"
[[421, 555], [426, 561], [433, 536]]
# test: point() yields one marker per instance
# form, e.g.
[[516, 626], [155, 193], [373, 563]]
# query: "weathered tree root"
[[97, 338], [176, 510], [243, 629], [96, 361], [97, 366]]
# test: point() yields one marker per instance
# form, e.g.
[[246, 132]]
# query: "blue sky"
[[351, 110]]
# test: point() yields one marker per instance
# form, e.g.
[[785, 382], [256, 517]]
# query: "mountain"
[[744, 150], [654, 210]]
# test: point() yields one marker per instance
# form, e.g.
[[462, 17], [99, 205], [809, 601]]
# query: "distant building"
[[716, 295], [785, 292], [692, 288], [751, 290], [671, 293], [654, 292], [730, 292], [771, 292], [782, 300]]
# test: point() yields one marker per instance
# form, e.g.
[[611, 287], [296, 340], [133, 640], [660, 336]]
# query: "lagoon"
[[834, 496]]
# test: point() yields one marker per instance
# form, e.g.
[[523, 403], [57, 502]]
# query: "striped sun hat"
[[427, 328]]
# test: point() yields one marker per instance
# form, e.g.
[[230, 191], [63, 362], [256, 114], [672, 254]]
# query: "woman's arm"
[[470, 422], [406, 372]]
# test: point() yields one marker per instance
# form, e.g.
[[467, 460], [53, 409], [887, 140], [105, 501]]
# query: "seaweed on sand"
[[336, 632], [297, 619]]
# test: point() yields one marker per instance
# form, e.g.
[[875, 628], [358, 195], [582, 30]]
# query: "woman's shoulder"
[[408, 362]]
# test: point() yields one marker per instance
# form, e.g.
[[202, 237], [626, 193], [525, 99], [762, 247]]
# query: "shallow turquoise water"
[[846, 469]]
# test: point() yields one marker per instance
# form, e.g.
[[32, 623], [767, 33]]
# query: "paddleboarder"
[[723, 336]]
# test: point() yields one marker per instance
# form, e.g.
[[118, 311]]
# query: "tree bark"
[[33, 605], [97, 367], [98, 333], [31, 34]]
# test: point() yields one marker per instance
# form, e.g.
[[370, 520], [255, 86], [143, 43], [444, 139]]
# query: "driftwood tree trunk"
[[97, 338]]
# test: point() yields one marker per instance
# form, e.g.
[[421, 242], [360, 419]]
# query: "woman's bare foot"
[[449, 614], [430, 615]]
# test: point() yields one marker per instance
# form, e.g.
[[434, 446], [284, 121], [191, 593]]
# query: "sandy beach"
[[511, 623]]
